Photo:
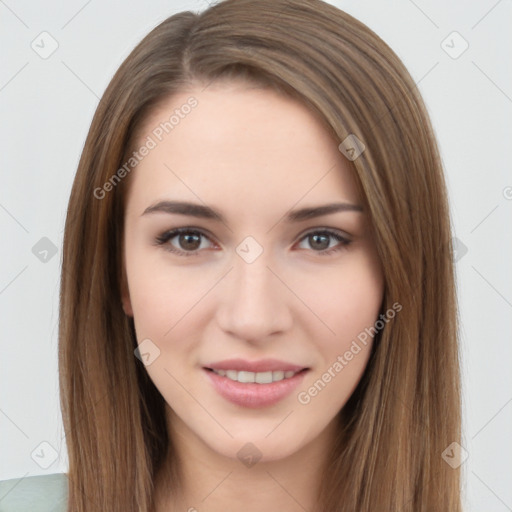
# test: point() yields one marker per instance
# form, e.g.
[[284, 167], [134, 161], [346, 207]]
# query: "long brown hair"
[[406, 410]]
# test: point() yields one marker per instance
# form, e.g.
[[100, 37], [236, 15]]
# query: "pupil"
[[325, 239], [189, 241]]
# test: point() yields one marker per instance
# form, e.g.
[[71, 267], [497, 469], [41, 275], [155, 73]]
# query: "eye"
[[187, 241], [319, 241]]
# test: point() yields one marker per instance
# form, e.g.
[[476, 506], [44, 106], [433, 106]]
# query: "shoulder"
[[44, 493]]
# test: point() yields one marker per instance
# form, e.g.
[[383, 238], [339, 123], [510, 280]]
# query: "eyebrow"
[[205, 212]]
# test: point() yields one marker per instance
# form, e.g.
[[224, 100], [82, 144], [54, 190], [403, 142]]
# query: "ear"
[[125, 293], [127, 305]]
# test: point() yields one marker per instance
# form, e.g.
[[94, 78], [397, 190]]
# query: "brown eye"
[[189, 242], [182, 241], [320, 241]]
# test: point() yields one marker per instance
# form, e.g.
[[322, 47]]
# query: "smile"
[[257, 377], [254, 389]]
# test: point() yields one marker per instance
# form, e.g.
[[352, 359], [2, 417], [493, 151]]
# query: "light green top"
[[44, 493]]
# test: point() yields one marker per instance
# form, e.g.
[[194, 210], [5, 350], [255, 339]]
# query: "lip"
[[252, 395], [262, 365]]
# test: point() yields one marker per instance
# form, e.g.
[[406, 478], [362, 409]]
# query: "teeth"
[[279, 375], [246, 377], [258, 377], [231, 374], [263, 377]]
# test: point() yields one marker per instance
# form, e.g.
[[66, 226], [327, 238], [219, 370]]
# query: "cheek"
[[346, 298], [356, 302], [163, 300], [160, 295]]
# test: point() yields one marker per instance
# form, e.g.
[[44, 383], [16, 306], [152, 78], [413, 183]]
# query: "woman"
[[228, 337]]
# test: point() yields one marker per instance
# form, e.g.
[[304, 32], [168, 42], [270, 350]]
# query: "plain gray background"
[[46, 106]]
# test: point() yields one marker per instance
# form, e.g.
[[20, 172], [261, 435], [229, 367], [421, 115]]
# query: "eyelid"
[[185, 229], [325, 229], [344, 240], [169, 234]]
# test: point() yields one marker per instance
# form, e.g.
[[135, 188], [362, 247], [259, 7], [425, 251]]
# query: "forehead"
[[239, 142]]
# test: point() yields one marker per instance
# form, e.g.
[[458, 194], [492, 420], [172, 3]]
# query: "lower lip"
[[254, 395]]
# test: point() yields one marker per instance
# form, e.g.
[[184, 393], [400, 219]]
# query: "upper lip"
[[262, 365]]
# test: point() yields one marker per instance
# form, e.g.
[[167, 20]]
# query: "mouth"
[[254, 384], [246, 377]]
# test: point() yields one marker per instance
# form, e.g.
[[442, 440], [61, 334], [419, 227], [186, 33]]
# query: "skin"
[[253, 155]]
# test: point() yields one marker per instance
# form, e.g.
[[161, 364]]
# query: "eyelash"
[[164, 238]]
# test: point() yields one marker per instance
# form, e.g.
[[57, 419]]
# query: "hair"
[[406, 409]]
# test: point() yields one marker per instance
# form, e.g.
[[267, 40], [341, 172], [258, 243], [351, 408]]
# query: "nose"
[[253, 301]]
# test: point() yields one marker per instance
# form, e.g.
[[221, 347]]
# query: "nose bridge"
[[253, 303]]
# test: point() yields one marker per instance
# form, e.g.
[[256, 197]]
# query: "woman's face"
[[256, 286]]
